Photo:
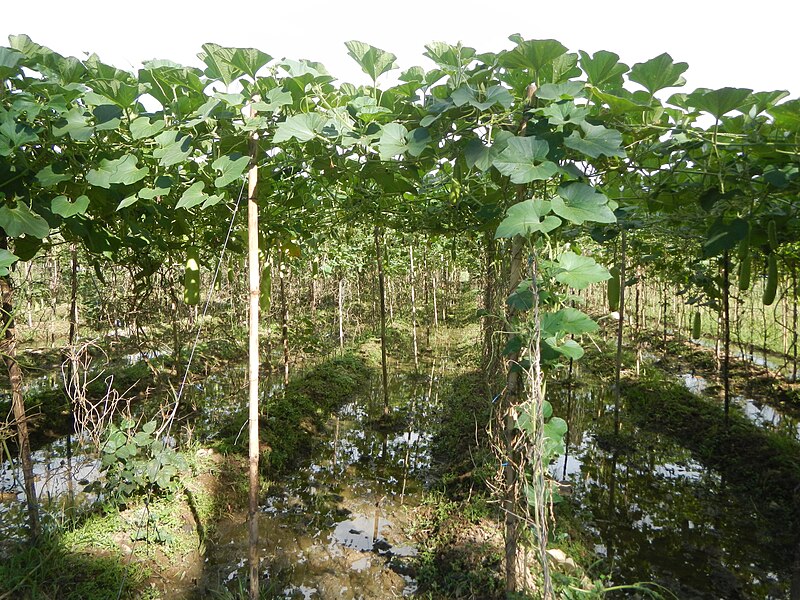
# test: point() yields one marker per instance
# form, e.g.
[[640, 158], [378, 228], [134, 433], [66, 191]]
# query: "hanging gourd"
[[191, 278]]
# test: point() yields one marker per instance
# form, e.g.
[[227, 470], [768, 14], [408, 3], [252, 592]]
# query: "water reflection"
[[335, 528], [657, 514]]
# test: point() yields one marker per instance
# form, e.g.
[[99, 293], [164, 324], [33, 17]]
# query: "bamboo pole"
[[254, 280]]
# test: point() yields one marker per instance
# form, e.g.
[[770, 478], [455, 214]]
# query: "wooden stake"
[[255, 290]]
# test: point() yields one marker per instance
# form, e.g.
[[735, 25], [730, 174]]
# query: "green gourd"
[[696, 325], [772, 235], [613, 289], [772, 280], [191, 278], [744, 272], [265, 299]]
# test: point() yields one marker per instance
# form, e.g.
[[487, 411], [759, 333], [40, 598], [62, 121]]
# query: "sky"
[[726, 42]]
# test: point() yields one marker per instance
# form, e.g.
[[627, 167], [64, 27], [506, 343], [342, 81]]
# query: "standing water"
[[335, 527]]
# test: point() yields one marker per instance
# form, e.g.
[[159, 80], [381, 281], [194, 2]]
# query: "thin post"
[[382, 292], [255, 290]]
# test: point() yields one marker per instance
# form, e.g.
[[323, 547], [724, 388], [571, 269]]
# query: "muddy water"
[[759, 413], [658, 515], [335, 528]]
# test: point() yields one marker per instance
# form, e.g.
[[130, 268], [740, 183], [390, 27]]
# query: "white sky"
[[726, 42]]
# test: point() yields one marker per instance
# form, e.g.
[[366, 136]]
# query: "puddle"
[[656, 514], [335, 528], [759, 413], [57, 481]]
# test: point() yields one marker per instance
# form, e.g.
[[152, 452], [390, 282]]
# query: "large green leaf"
[[580, 271], [578, 202], [527, 217], [373, 61], [6, 260], [569, 321], [496, 94], [9, 59], [392, 141], [531, 54], [603, 70], [196, 195], [596, 141], [20, 220], [303, 127], [174, 147], [273, 100], [525, 159], [143, 127], [121, 93], [659, 73], [160, 187], [119, 170], [228, 64], [561, 91], [723, 236], [61, 205], [563, 113], [53, 174], [718, 102], [569, 348], [74, 123], [14, 134], [230, 168]]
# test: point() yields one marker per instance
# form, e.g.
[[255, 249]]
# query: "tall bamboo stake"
[[254, 277]]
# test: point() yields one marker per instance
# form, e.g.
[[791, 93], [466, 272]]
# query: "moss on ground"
[[297, 417]]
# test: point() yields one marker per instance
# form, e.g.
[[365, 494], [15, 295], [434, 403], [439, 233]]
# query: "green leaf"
[[303, 127], [564, 113], [578, 202], [126, 202], [230, 169], [120, 170], [569, 321], [21, 221], [520, 299], [531, 54], [392, 141], [196, 195], [175, 147], [723, 236], [580, 271], [61, 205], [527, 217], [13, 135], [596, 141], [6, 260], [142, 127], [494, 95], [161, 187], [273, 100], [658, 73], [75, 124], [121, 93], [478, 155], [525, 159], [603, 69], [53, 174], [418, 140], [228, 64], [373, 61], [561, 91], [569, 348], [9, 59], [718, 102]]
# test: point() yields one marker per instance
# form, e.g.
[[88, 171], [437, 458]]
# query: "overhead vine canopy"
[[154, 159]]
